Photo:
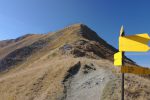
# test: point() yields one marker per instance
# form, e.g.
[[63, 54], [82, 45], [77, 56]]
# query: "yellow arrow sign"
[[138, 43], [118, 59], [135, 70]]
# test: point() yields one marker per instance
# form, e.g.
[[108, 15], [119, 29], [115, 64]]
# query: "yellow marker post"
[[135, 70], [138, 43]]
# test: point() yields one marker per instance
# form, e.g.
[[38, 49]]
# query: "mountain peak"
[[82, 30], [77, 25]]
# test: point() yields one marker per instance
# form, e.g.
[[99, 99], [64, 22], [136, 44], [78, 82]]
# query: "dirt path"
[[88, 85]]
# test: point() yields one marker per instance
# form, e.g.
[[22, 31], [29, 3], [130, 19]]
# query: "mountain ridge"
[[82, 34], [70, 64]]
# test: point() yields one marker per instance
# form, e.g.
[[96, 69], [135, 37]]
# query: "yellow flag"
[[134, 43]]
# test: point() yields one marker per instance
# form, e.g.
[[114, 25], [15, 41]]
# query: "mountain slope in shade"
[[71, 64]]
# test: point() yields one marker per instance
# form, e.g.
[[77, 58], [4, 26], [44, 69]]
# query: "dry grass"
[[19, 44], [41, 80], [40, 77], [136, 88]]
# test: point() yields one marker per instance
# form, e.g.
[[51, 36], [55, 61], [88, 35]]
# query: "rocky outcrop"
[[90, 49]]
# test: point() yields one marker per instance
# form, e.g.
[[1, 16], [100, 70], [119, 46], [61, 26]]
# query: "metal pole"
[[122, 87], [122, 33]]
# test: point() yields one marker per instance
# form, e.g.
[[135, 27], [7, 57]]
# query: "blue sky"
[[19, 17]]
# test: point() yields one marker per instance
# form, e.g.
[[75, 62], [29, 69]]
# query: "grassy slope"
[[136, 88], [42, 80], [11, 46]]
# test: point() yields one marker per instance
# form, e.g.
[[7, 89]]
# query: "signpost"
[[135, 70], [133, 43], [138, 43]]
